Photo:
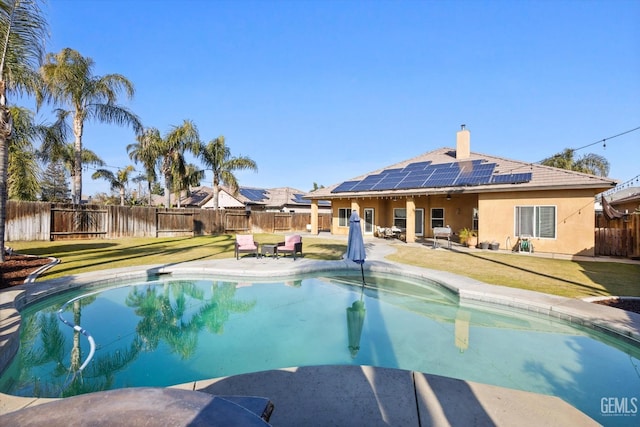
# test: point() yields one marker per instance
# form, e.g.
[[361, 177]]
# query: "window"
[[437, 217], [343, 217], [474, 220], [536, 221], [400, 218]]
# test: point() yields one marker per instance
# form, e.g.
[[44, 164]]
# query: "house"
[[202, 197], [284, 199], [627, 200], [502, 199]]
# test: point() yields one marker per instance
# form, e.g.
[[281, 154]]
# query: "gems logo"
[[619, 406]]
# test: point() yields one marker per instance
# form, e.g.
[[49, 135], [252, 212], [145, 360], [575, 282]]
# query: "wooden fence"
[[46, 221], [618, 237]]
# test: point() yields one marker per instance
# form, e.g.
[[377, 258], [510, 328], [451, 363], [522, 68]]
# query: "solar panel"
[[345, 186], [443, 176], [479, 175], [417, 166], [512, 178], [253, 194], [391, 179]]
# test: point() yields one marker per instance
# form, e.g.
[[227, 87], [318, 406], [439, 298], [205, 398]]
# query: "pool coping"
[[599, 317]]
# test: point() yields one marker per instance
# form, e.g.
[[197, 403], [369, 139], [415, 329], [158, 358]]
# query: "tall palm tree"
[[23, 32], [117, 181], [145, 152], [216, 156], [590, 163], [171, 152], [69, 80]]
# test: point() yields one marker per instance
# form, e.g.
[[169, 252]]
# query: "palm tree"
[[23, 172], [117, 181], [145, 152], [66, 153], [23, 32], [171, 150], [593, 164], [216, 156], [69, 80]]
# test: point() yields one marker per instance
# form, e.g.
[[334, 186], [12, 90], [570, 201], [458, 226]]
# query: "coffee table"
[[269, 249]]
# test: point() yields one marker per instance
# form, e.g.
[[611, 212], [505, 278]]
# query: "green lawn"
[[553, 276]]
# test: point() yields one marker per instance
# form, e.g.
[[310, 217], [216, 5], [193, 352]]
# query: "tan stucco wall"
[[575, 218]]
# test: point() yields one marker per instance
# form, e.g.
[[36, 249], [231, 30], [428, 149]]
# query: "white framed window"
[[474, 220], [536, 221], [400, 218], [343, 217], [437, 217]]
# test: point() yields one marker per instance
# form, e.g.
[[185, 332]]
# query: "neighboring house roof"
[[274, 198], [439, 171], [198, 197], [202, 197], [627, 199]]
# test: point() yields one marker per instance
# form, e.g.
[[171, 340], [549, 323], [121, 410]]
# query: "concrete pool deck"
[[330, 395]]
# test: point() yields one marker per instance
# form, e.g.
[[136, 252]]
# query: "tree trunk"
[[122, 197], [78, 124], [5, 134], [167, 191], [216, 192]]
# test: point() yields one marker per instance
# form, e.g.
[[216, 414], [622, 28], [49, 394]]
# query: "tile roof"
[[542, 177], [267, 197]]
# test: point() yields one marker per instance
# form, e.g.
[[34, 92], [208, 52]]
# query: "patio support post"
[[314, 217], [410, 233]]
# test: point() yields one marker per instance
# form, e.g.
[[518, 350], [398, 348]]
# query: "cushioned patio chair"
[[292, 244], [245, 244]]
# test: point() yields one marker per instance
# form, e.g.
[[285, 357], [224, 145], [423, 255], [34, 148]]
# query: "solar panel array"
[[298, 198], [254, 194], [428, 175]]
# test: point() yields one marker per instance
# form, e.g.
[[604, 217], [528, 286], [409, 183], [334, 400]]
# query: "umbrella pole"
[[362, 272]]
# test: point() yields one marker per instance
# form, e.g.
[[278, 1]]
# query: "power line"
[[604, 141]]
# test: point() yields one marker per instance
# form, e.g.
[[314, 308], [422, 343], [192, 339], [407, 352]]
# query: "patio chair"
[[292, 244], [245, 244], [389, 233]]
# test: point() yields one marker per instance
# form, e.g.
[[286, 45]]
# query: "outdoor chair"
[[292, 244], [245, 244], [388, 233]]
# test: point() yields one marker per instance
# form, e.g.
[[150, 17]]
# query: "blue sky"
[[322, 91]]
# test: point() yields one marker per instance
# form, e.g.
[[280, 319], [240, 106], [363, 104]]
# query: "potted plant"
[[468, 237]]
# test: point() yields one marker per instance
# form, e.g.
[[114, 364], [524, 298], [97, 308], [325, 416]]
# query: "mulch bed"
[[16, 268]]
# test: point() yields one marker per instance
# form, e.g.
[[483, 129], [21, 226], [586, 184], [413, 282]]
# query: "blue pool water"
[[168, 331]]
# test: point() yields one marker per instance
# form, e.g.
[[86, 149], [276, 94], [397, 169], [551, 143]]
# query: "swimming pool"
[[168, 331]]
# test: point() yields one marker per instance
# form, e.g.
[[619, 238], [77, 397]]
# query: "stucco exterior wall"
[[575, 218]]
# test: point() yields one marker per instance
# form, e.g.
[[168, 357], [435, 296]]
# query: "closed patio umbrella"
[[355, 243], [356, 313]]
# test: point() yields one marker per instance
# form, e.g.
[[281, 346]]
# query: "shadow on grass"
[[326, 251], [534, 272], [102, 258]]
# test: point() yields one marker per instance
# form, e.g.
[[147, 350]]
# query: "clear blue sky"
[[322, 91]]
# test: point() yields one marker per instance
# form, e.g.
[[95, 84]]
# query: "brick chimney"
[[463, 143]]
